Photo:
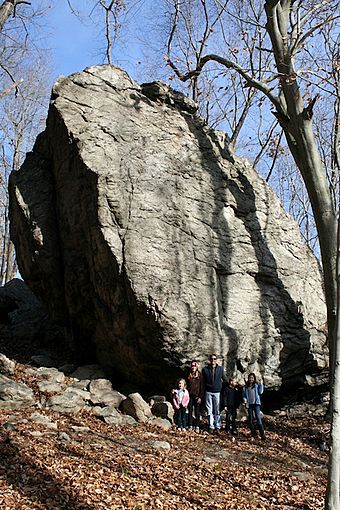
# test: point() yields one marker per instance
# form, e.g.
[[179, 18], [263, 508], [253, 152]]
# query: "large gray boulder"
[[139, 230]]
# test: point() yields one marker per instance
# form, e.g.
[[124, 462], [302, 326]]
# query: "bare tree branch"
[[250, 81], [11, 87]]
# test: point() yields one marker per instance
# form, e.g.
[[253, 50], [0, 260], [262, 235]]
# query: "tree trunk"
[[302, 144], [296, 121], [6, 10], [332, 497]]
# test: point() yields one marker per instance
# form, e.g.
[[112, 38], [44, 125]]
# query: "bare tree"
[[24, 73], [109, 15], [21, 119], [289, 26], [240, 33]]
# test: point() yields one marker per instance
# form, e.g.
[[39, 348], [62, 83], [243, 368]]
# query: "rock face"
[[24, 323], [140, 232]]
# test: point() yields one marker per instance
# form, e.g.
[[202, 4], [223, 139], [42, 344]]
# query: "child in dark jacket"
[[232, 398]]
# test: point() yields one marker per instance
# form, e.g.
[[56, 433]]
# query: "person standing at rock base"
[[251, 398], [180, 401], [213, 377], [195, 388], [232, 399]]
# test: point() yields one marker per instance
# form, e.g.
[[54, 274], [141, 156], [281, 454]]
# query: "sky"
[[77, 44], [72, 42]]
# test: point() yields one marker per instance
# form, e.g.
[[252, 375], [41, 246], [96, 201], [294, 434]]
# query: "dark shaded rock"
[[88, 372], [25, 327], [163, 410], [153, 246], [9, 426], [43, 360]]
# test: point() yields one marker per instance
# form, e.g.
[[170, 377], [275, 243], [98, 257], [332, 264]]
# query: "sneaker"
[[197, 429]]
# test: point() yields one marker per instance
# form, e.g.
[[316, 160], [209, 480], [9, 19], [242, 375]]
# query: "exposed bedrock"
[[140, 232]]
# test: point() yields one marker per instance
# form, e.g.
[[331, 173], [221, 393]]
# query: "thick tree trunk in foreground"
[[332, 499], [302, 144]]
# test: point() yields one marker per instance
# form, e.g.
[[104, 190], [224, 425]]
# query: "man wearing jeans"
[[213, 377]]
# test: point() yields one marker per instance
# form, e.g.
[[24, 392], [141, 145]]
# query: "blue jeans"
[[180, 417], [254, 409], [212, 403]]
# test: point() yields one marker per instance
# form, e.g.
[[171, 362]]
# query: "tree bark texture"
[[333, 485], [6, 10]]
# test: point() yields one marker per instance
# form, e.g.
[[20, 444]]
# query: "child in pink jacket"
[[180, 401]]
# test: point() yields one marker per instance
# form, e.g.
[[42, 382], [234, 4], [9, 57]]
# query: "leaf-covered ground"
[[97, 466]]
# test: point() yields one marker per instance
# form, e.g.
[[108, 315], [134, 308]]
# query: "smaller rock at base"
[[161, 423], [109, 414], [64, 437], [161, 445], [134, 405], [43, 420], [128, 420], [7, 366], [80, 429]]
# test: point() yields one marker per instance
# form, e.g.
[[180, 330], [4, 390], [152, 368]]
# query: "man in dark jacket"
[[213, 377]]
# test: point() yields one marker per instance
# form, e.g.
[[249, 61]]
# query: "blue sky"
[[77, 44], [72, 42]]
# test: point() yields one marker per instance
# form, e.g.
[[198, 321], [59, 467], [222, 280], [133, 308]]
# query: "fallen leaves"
[[88, 465]]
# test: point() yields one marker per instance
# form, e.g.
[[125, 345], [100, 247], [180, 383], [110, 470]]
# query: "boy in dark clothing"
[[232, 398]]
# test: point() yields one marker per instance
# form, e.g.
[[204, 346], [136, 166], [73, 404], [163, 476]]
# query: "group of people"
[[212, 389]]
